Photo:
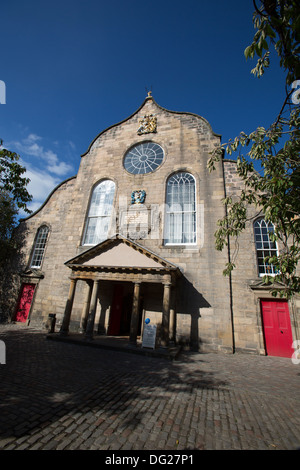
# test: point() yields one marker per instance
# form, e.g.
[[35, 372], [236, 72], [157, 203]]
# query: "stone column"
[[86, 307], [166, 316], [172, 334], [92, 311], [68, 309], [135, 313]]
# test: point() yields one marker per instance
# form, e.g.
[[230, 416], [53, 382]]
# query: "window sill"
[[266, 274]]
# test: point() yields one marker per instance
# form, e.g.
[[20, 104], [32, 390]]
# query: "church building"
[[131, 237]]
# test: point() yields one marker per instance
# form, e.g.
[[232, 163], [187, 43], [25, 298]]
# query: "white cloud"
[[41, 183], [43, 167], [32, 138], [61, 169], [40, 186], [72, 145], [30, 146]]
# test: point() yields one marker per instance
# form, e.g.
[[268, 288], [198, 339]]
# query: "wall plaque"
[[138, 197], [134, 222], [148, 124]]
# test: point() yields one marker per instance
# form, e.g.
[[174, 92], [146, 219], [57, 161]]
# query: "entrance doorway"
[[126, 314], [277, 328], [26, 296], [121, 309], [116, 311]]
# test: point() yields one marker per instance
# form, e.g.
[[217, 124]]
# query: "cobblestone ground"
[[61, 396]]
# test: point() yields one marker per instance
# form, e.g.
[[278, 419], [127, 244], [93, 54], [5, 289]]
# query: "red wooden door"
[[277, 328], [116, 311], [25, 302]]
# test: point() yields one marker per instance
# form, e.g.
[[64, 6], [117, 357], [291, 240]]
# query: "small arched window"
[[39, 247], [180, 225], [99, 214], [264, 246]]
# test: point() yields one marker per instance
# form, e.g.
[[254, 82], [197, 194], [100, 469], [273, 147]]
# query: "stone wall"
[[203, 296], [246, 309], [209, 311]]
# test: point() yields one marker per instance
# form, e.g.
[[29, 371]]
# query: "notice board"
[[149, 336]]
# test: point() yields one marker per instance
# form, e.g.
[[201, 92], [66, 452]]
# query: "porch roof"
[[119, 253]]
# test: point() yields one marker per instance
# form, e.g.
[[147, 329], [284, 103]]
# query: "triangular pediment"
[[31, 273], [120, 252], [261, 285]]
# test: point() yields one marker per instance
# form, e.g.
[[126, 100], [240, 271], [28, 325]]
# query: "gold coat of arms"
[[147, 124]]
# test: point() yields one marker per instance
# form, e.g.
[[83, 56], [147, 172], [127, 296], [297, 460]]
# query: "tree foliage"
[[11, 179], [13, 196], [8, 213], [268, 160]]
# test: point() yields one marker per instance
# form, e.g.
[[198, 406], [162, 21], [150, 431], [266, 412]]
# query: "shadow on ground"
[[44, 380]]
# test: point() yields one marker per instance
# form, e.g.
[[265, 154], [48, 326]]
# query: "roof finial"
[[149, 93]]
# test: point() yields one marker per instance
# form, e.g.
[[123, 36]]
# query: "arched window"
[[180, 225], [264, 246], [99, 214], [39, 247]]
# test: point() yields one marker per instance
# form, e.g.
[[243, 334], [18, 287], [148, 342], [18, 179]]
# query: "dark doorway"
[[121, 309], [116, 311], [126, 315]]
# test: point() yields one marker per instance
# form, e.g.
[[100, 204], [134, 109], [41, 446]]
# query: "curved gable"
[[49, 197], [187, 117]]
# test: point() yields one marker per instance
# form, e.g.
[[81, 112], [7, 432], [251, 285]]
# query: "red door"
[[277, 328], [116, 311], [25, 302]]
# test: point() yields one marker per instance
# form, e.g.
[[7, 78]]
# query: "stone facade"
[[206, 310]]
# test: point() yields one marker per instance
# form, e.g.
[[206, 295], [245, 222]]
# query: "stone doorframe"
[[30, 276]]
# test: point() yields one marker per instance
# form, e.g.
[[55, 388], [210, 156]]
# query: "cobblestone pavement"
[[62, 396]]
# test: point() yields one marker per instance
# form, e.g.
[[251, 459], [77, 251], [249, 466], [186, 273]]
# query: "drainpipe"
[[229, 259]]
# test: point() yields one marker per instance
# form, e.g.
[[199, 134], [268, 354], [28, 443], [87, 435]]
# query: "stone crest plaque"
[[138, 197], [148, 124]]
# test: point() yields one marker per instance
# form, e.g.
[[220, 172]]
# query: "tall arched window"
[[39, 247], [264, 246], [99, 214], [180, 225]]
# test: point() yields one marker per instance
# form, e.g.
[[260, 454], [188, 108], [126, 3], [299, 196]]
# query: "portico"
[[120, 260]]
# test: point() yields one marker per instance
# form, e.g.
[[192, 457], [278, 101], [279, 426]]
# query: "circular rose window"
[[143, 158]]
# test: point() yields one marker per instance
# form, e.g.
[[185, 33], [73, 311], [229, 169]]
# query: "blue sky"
[[74, 68]]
